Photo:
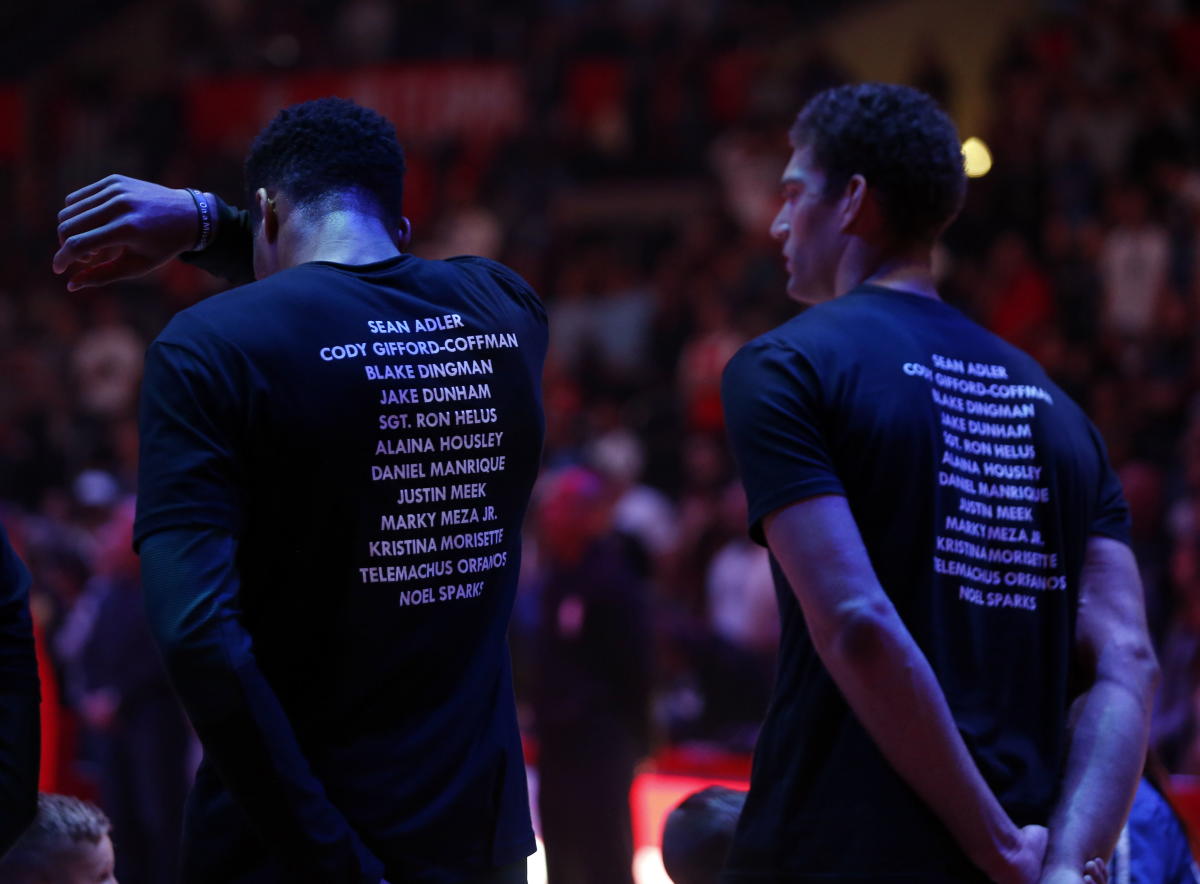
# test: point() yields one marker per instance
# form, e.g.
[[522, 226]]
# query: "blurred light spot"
[[647, 867], [977, 159], [536, 867]]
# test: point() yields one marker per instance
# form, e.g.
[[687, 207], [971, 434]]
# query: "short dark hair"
[[61, 825], [321, 148], [900, 141]]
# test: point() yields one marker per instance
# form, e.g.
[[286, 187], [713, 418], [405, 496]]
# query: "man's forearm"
[[892, 689], [191, 587], [1104, 763], [1112, 721], [888, 682]]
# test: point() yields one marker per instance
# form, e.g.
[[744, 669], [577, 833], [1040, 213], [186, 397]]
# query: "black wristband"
[[205, 217]]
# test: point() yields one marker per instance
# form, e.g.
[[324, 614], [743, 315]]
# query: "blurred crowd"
[[636, 196]]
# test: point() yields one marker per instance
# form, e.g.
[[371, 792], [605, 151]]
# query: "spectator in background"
[[67, 843], [1173, 733], [712, 343], [741, 592], [1133, 264], [1070, 254], [621, 319], [1018, 302], [639, 511], [140, 737], [1142, 483], [700, 527], [573, 346], [108, 362], [591, 702]]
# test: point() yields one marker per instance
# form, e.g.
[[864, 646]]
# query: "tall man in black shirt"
[[964, 655], [335, 463]]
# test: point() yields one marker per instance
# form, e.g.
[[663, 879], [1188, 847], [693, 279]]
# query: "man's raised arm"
[[1108, 739], [121, 228]]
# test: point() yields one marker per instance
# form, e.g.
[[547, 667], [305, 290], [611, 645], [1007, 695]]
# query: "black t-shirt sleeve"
[[772, 401], [1112, 512], [19, 697], [231, 253], [189, 422], [507, 279]]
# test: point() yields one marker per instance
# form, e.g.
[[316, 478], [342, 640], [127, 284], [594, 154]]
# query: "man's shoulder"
[[818, 328], [226, 312], [486, 266], [499, 277], [837, 320]]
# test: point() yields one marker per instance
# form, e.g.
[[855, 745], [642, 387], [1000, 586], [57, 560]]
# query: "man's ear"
[[404, 234], [854, 200], [267, 211], [859, 210]]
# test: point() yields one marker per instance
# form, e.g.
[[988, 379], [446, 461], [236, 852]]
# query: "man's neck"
[[910, 271], [341, 237]]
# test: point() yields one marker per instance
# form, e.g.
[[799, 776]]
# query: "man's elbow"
[[860, 635], [1134, 666], [192, 651], [170, 634]]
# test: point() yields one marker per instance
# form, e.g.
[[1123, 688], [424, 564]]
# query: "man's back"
[[370, 435], [974, 483]]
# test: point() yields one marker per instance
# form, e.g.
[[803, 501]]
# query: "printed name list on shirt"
[[439, 541], [990, 542]]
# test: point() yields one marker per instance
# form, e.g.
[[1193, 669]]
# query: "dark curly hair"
[[900, 141], [319, 148]]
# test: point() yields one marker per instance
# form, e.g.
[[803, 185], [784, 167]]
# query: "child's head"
[[67, 843], [698, 833]]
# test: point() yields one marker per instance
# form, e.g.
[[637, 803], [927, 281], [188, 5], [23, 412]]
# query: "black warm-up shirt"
[[975, 483], [335, 465]]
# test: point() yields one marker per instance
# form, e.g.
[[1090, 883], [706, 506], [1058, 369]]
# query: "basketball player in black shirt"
[[335, 463], [965, 668]]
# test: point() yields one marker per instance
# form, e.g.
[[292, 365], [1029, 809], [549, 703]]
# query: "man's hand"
[[1094, 872], [121, 228], [1024, 865]]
